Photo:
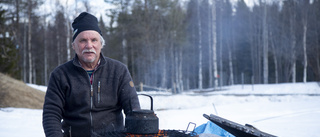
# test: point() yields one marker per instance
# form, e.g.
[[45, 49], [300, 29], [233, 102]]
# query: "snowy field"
[[285, 110]]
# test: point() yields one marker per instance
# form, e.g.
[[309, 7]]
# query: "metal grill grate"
[[161, 133]]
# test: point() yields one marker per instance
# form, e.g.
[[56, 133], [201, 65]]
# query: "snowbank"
[[286, 110]]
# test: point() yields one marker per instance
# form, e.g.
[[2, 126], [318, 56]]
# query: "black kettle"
[[142, 121]]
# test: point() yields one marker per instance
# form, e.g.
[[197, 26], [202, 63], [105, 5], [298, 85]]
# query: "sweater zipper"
[[91, 103], [70, 134], [91, 93]]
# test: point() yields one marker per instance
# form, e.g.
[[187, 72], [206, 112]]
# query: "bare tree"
[[30, 9], [68, 23], [230, 63], [45, 56], [304, 41], [25, 52], [199, 46], [293, 41], [209, 25], [265, 44], [274, 50], [214, 44], [86, 5]]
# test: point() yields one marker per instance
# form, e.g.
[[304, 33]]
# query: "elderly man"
[[86, 96]]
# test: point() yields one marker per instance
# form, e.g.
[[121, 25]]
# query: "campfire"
[[145, 123]]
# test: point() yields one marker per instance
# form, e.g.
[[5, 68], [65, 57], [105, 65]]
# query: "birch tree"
[[199, 45], [275, 59], [230, 63], [214, 44], [256, 42], [275, 38], [209, 25], [293, 41], [265, 44], [30, 10], [68, 35], [291, 37], [24, 51], [304, 39], [45, 57]]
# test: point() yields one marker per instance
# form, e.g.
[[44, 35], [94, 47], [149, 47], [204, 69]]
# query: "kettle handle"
[[151, 99]]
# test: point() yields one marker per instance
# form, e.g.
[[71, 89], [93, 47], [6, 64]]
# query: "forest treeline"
[[172, 44]]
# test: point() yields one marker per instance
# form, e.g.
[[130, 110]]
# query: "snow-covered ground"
[[285, 110]]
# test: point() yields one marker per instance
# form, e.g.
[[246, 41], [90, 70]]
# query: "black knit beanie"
[[83, 22]]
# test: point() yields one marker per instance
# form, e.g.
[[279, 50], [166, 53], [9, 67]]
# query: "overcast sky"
[[98, 7]]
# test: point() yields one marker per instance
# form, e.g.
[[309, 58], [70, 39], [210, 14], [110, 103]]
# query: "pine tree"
[[9, 56]]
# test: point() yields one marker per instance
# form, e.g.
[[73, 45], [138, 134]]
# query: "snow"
[[285, 110], [39, 87]]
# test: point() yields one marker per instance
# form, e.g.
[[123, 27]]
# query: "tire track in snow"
[[289, 115]]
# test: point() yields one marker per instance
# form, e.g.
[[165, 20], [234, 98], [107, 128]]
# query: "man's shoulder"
[[114, 62], [64, 66]]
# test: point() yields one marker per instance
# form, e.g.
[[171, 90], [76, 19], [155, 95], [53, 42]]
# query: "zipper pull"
[[99, 87], [91, 90]]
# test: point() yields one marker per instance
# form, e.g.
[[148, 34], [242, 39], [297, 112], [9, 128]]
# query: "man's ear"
[[73, 45]]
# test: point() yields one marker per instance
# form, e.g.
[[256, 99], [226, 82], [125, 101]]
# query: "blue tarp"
[[212, 128]]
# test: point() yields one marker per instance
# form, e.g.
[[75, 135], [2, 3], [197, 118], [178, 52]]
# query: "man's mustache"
[[89, 50]]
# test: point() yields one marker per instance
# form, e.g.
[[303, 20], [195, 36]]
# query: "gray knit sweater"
[[88, 109]]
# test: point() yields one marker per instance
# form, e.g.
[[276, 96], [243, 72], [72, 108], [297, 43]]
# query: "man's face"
[[88, 46]]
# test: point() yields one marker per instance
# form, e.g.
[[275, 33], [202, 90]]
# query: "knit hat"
[[85, 21]]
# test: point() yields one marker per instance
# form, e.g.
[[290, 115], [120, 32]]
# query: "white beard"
[[89, 60]]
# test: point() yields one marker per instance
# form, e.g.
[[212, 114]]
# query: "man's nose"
[[89, 45]]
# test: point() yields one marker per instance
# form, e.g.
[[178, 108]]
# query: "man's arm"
[[53, 108], [129, 97]]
